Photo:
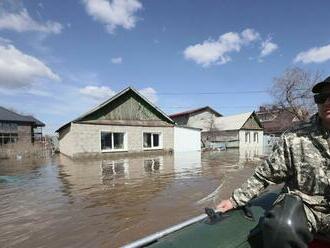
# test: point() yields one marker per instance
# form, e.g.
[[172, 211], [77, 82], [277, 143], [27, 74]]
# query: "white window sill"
[[114, 150], [153, 148]]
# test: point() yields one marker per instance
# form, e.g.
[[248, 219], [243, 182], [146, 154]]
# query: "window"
[[255, 137], [8, 138], [8, 127], [247, 137], [151, 140], [155, 139], [112, 141]]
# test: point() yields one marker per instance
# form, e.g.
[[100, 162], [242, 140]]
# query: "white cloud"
[[216, 51], [150, 94], [97, 92], [250, 35], [113, 14], [314, 55], [22, 22], [117, 60], [18, 70], [267, 47]]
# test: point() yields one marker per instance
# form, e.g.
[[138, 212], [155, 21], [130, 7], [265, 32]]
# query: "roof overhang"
[[118, 95]]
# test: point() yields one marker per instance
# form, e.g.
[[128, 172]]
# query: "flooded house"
[[202, 118], [243, 131], [127, 123], [19, 129]]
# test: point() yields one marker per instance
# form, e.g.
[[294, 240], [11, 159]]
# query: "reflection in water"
[[152, 164], [114, 167], [187, 164], [247, 153], [107, 203], [112, 170]]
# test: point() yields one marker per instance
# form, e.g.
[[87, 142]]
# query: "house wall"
[[24, 134], [66, 142], [228, 138], [86, 138], [186, 139], [204, 120], [251, 145]]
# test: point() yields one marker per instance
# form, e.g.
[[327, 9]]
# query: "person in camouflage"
[[301, 160]]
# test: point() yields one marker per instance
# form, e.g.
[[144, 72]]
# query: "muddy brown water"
[[58, 202]]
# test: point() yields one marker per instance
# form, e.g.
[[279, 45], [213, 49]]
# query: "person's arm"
[[275, 169]]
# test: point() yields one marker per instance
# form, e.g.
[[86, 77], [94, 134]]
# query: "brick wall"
[[86, 138], [24, 134]]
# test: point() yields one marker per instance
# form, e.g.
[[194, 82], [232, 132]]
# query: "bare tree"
[[210, 133], [292, 91]]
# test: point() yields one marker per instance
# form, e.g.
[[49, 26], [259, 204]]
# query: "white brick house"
[[126, 123]]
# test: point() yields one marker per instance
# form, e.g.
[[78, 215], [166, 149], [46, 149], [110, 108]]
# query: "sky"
[[59, 59]]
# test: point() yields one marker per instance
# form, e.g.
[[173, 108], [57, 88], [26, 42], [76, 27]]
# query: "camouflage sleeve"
[[273, 170]]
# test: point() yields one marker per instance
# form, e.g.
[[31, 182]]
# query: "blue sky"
[[60, 58]]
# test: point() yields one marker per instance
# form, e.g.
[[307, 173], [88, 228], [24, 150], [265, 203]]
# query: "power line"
[[214, 92], [218, 107]]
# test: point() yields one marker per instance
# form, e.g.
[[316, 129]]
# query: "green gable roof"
[[128, 104]]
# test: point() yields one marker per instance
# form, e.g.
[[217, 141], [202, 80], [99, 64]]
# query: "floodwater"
[[59, 202]]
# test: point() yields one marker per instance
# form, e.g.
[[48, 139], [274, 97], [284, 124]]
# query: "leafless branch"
[[292, 91]]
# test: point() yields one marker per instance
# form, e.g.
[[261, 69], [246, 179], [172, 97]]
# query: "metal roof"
[[232, 122], [11, 116], [35, 120], [7, 115], [188, 112]]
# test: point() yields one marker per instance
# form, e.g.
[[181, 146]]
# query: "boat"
[[233, 229]]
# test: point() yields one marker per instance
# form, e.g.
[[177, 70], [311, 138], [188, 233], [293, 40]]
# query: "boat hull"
[[231, 230]]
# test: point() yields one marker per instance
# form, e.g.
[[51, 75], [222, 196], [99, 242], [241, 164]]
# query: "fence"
[[22, 150]]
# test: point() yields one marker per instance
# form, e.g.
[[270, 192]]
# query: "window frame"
[[11, 138], [247, 137], [124, 149], [160, 140], [256, 137]]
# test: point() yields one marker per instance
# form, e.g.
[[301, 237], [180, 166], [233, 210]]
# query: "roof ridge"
[[194, 110], [120, 93]]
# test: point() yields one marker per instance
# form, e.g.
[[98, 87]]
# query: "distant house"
[[202, 118], [16, 128], [126, 123], [275, 120], [236, 131]]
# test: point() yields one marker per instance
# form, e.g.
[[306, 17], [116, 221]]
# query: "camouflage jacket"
[[302, 161]]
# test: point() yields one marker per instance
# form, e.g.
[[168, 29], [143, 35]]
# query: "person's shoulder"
[[300, 129]]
